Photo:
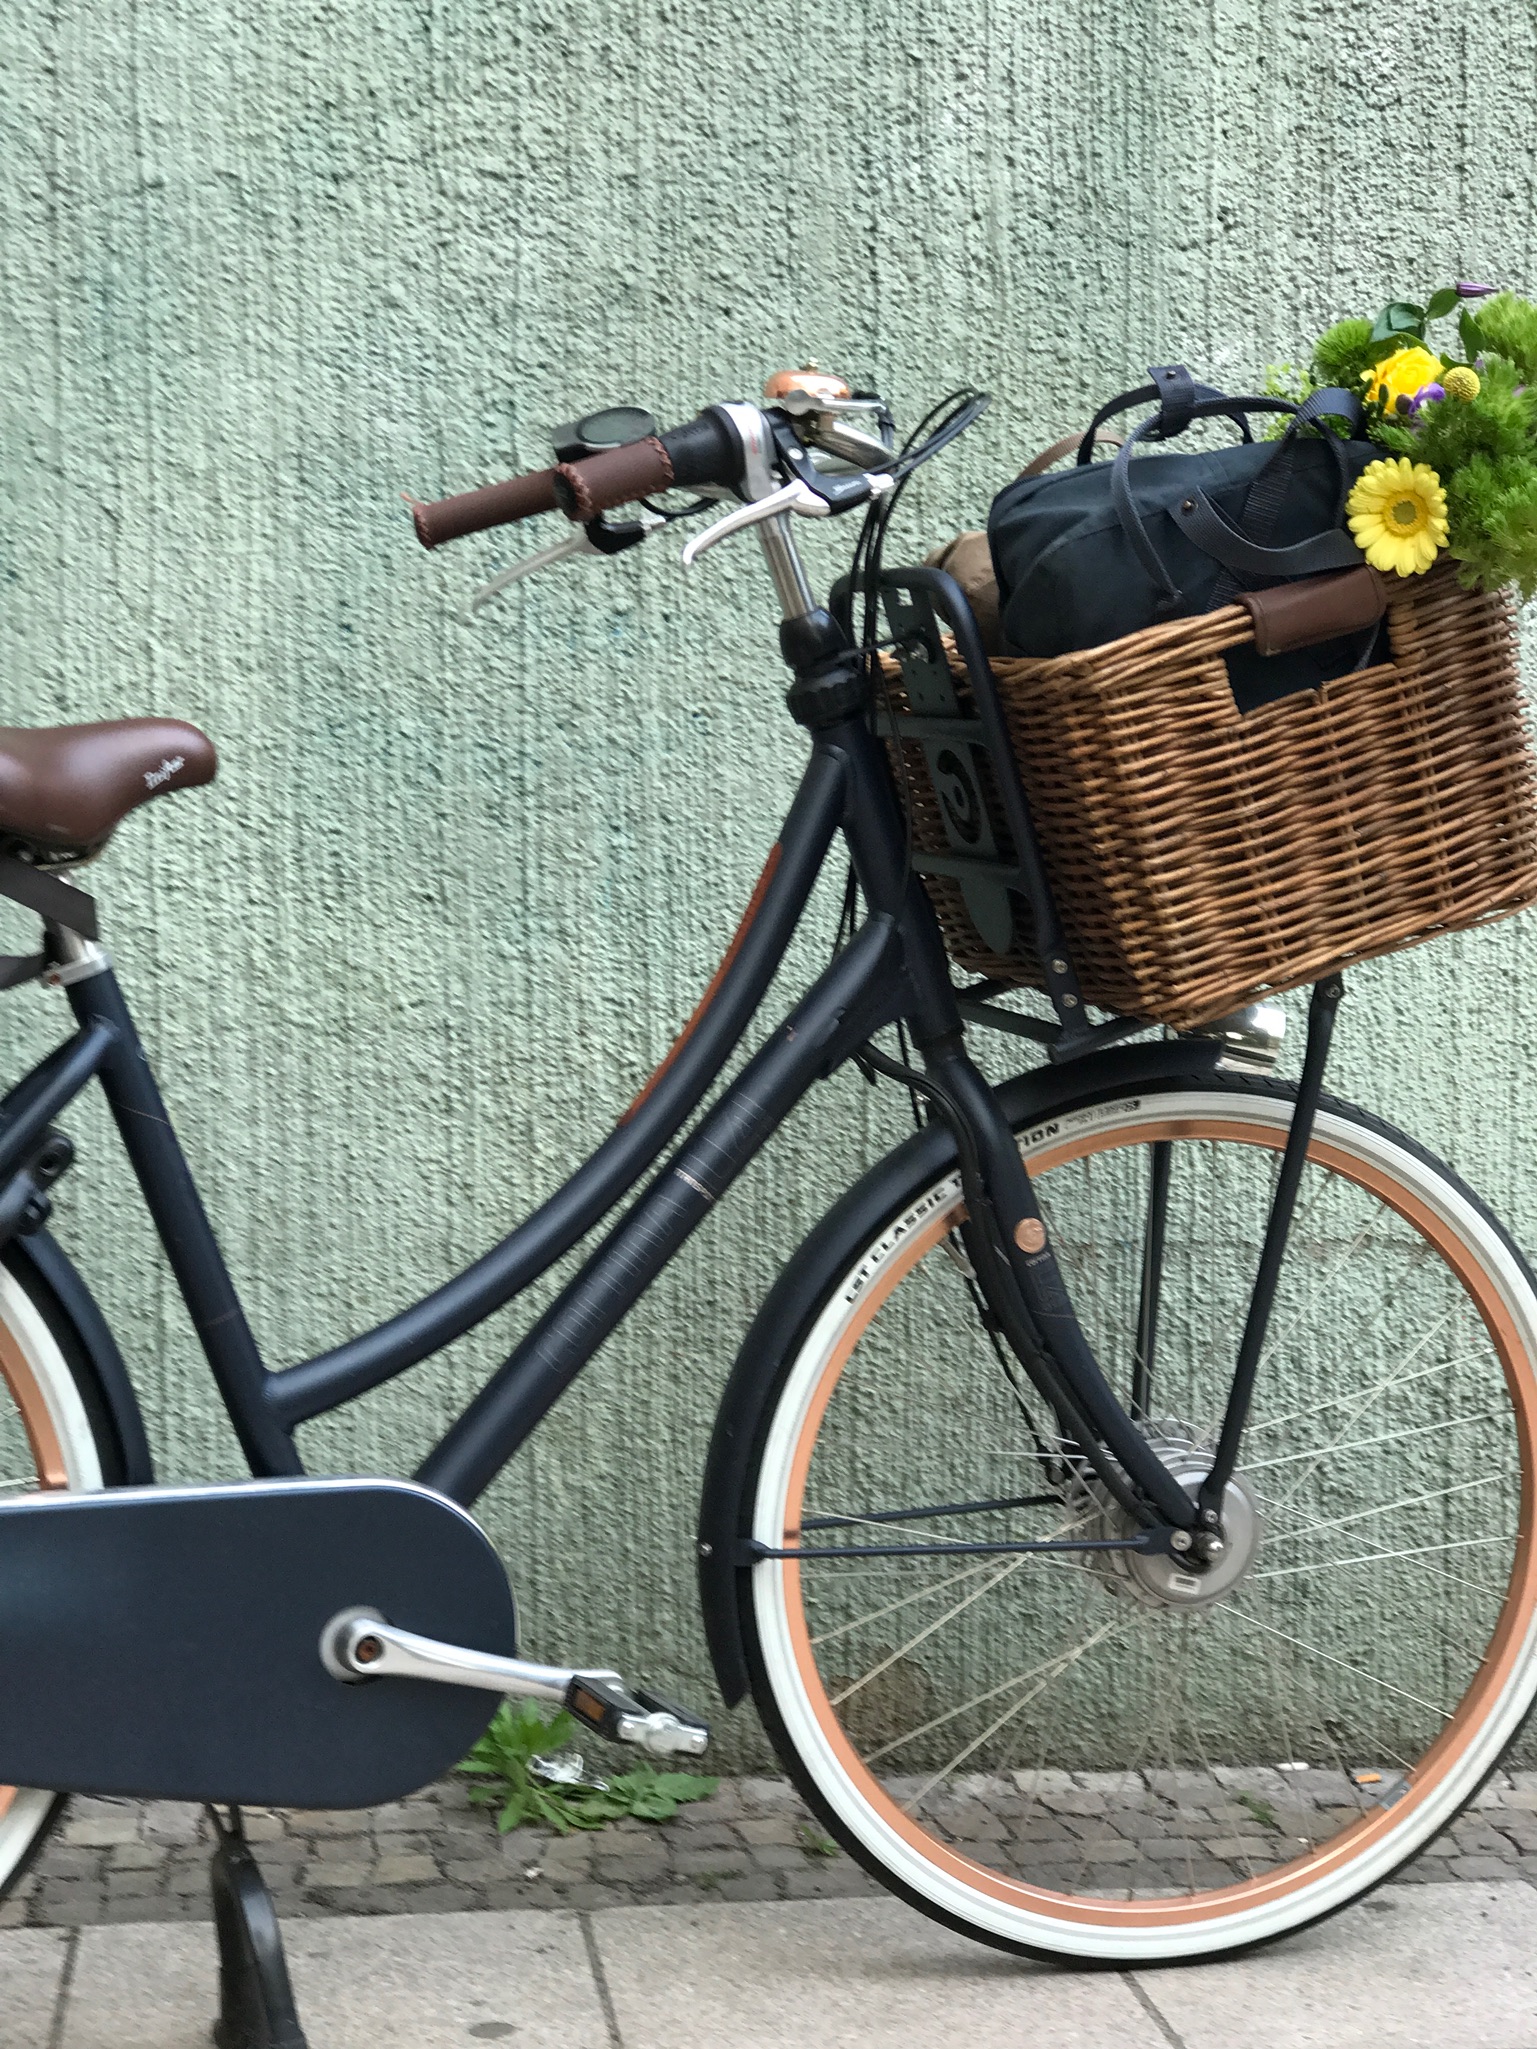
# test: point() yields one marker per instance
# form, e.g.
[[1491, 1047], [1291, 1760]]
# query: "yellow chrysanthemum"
[[1401, 375], [1397, 513], [1461, 381]]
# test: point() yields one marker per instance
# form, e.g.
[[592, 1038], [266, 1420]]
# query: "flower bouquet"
[[1459, 432]]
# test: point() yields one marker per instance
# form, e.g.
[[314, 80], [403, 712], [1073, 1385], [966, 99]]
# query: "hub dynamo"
[[1168, 1581]]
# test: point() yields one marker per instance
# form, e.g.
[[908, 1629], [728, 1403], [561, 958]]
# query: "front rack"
[[1001, 876]]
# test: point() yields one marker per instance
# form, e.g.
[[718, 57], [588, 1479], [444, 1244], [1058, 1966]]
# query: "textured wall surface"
[[264, 267]]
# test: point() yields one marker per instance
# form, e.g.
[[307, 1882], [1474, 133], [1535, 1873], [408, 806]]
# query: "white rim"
[[29, 1808], [906, 1865]]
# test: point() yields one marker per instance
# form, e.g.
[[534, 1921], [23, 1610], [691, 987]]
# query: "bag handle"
[[1210, 529], [1176, 394]]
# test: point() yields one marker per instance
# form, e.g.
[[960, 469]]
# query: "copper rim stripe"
[[1494, 1671]]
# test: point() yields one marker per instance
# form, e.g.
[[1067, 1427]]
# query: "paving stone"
[[708, 1835], [334, 1875], [404, 1869], [262, 1824], [433, 1852], [321, 1821], [441, 1898], [171, 1821], [715, 1863], [834, 1882], [61, 1860], [775, 1828], [99, 1832], [136, 1857], [770, 1796], [621, 1866], [589, 1894], [474, 1871], [777, 1857], [405, 1814]]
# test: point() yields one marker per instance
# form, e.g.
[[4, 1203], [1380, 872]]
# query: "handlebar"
[[704, 451], [471, 512]]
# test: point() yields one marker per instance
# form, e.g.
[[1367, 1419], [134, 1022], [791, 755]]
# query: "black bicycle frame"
[[893, 969]]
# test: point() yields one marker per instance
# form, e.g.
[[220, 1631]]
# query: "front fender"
[[796, 1297]]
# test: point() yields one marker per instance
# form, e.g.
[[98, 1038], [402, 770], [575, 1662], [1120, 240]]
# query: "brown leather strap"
[[1068, 445], [1314, 608], [615, 477]]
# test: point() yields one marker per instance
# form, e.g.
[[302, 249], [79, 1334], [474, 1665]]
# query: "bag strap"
[[1176, 394], [1211, 530]]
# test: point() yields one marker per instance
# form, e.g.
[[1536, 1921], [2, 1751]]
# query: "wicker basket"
[[1201, 857]]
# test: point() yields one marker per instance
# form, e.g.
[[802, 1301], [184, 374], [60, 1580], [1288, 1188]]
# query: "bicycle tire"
[[974, 1887]]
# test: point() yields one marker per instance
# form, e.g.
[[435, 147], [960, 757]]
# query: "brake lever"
[[796, 496], [592, 539]]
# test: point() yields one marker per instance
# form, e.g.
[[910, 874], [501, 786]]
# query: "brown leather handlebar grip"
[[471, 512], [599, 482], [1314, 608]]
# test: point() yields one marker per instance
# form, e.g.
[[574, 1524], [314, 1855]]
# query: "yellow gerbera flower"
[[1397, 513], [1401, 375]]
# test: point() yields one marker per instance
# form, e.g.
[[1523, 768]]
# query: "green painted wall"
[[264, 267]]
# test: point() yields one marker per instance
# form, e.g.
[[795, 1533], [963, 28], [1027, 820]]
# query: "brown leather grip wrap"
[[599, 482], [450, 519], [1314, 608]]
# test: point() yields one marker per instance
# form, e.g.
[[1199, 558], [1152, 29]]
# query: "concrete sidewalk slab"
[[844, 1974], [31, 1966], [1419, 1967], [430, 1981]]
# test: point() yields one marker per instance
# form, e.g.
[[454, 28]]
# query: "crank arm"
[[360, 1644]]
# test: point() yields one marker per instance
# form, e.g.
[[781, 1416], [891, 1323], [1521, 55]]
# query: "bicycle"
[[1022, 1641]]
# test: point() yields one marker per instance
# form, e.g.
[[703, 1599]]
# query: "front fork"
[[1005, 1233]]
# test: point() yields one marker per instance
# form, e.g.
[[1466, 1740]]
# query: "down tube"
[[863, 989]]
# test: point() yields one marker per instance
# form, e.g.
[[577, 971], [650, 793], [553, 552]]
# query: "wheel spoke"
[[1344, 1522], [1314, 1650], [1048, 1678], [1381, 1557]]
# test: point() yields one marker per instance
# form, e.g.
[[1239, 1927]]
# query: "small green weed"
[[814, 1843], [1260, 1809], [500, 1766]]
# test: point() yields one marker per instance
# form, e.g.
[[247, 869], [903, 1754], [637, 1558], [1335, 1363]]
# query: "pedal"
[[635, 1716]]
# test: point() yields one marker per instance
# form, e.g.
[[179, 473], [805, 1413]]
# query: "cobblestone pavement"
[[125, 1860]]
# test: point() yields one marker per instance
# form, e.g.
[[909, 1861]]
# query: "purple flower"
[[1475, 291]]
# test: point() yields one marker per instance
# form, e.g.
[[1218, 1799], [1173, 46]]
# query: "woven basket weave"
[[1201, 857]]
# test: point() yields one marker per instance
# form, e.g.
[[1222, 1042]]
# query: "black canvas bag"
[[1105, 549]]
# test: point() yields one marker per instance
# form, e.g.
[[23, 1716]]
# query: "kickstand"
[[256, 2000]]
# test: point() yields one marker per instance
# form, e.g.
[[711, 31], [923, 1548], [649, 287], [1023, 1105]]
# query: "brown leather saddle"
[[65, 789]]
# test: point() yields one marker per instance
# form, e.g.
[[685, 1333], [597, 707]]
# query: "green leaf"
[[1441, 303], [1402, 317], [1473, 343], [686, 1785]]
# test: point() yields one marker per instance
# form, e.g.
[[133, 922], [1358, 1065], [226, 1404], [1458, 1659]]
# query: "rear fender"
[[48, 1273]]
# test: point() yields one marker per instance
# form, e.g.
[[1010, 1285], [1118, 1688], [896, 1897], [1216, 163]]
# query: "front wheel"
[[1101, 1756]]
